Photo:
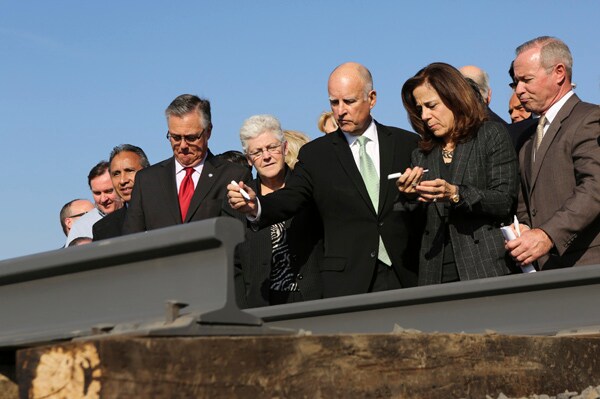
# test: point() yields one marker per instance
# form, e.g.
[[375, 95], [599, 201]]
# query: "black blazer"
[[155, 201], [521, 131], [327, 175], [253, 257], [110, 225], [486, 171]]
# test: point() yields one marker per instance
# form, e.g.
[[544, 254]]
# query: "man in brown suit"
[[560, 163]]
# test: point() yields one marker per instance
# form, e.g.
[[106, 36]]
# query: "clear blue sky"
[[79, 77]]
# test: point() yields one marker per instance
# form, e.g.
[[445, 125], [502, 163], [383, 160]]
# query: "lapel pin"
[[210, 175]]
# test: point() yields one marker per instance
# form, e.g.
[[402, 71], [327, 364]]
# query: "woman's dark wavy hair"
[[456, 93]]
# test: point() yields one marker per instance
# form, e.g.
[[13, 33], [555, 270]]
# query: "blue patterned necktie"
[[371, 179]]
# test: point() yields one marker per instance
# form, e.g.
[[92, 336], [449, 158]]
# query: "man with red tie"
[[189, 186]]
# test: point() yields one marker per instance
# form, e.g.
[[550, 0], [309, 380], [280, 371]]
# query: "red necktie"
[[186, 191]]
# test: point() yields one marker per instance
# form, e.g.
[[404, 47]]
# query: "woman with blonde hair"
[[295, 140]]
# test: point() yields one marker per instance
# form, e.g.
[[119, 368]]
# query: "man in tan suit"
[[560, 163]]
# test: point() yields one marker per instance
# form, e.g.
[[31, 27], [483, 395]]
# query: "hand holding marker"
[[509, 235], [242, 191]]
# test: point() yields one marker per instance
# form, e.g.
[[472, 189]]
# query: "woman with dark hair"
[[464, 178]]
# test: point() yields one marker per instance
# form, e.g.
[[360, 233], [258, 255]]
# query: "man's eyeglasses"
[[77, 215], [272, 149], [189, 138]]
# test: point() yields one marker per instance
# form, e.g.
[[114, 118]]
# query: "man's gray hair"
[[130, 148], [186, 103], [257, 125], [552, 52]]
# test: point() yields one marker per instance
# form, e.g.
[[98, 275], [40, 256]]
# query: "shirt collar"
[[179, 167], [553, 110], [370, 133]]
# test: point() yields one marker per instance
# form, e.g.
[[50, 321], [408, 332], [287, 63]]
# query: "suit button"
[[380, 224], [299, 277], [533, 212], [373, 254], [476, 241]]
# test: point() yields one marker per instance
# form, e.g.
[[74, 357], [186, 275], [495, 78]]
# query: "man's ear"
[[561, 73], [372, 97]]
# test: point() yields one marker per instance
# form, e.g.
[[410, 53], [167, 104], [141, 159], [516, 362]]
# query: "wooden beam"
[[412, 365]]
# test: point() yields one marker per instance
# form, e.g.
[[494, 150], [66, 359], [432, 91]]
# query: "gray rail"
[[546, 303], [130, 284], [179, 281]]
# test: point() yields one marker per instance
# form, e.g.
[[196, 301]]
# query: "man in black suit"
[[482, 81], [125, 161], [367, 245], [189, 186]]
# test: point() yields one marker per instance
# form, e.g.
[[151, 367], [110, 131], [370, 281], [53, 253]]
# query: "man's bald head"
[[351, 97], [480, 77]]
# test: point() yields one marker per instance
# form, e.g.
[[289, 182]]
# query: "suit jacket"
[[486, 171], [253, 257], [110, 225], [521, 131], [326, 174], [494, 117], [560, 191], [155, 201]]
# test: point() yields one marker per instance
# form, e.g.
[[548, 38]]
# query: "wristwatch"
[[456, 197]]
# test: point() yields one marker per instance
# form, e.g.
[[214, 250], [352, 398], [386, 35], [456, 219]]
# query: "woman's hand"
[[408, 182], [438, 190]]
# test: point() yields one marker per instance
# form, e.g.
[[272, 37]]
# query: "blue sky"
[[77, 78]]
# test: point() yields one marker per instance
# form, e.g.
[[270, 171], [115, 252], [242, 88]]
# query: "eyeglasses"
[[77, 215], [273, 149], [189, 138]]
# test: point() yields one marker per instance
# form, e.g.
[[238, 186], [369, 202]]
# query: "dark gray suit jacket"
[[155, 201], [561, 190], [485, 169], [327, 175]]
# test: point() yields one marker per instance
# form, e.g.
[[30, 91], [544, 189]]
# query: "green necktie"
[[371, 179]]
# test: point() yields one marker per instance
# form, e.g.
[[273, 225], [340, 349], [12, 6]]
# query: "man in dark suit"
[[367, 246], [125, 161], [560, 164], [189, 186], [482, 81]]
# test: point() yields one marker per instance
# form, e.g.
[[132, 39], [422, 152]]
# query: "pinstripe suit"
[[485, 169]]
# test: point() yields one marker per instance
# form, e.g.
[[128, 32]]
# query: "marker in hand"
[[509, 235], [242, 191], [394, 176]]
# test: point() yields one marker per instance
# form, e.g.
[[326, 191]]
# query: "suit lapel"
[[170, 189], [205, 182], [342, 151], [387, 150], [550, 135], [434, 173], [462, 155]]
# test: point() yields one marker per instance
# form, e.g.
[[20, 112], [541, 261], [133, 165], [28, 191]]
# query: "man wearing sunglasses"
[[189, 186], [72, 211]]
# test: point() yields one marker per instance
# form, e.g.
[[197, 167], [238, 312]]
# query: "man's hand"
[[532, 245], [238, 202]]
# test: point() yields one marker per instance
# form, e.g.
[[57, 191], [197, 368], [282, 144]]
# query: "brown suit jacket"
[[560, 191]]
